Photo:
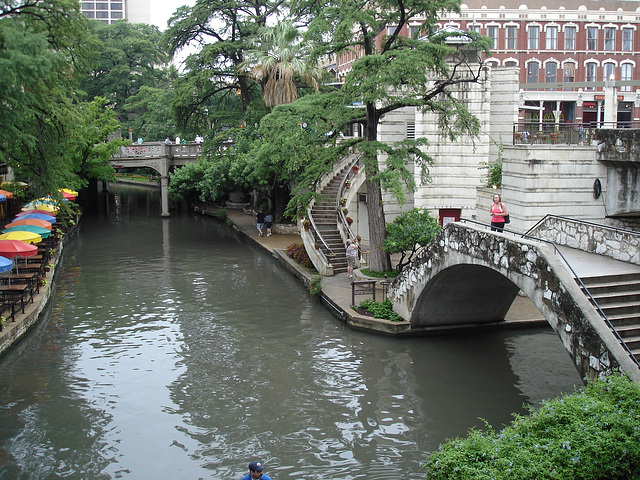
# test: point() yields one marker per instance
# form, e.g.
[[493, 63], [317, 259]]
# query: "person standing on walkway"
[[498, 212], [352, 255], [268, 222], [260, 222], [255, 472]]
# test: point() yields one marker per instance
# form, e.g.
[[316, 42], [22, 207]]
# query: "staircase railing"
[[579, 280], [314, 236], [343, 225]]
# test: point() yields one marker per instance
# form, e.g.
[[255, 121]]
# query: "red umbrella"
[[16, 248], [6, 193], [28, 212]]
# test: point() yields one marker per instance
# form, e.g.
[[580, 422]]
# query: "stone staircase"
[[618, 296], [325, 217]]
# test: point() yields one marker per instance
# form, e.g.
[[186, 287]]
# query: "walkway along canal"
[[176, 348]]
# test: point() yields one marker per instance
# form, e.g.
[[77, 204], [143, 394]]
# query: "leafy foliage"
[[299, 254], [315, 285], [593, 434], [381, 310], [409, 232]]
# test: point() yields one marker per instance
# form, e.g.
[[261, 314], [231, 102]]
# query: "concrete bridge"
[[160, 157], [470, 276]]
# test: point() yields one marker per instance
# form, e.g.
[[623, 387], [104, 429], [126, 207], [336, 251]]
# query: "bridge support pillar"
[[164, 195]]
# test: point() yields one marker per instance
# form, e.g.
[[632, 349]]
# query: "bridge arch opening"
[[464, 294]]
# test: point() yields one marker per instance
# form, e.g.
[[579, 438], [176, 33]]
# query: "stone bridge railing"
[[470, 276], [157, 150], [616, 243]]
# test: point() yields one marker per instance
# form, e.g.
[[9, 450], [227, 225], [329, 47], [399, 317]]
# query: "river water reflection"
[[175, 350]]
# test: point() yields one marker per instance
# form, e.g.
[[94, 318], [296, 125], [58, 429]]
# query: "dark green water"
[[175, 350]]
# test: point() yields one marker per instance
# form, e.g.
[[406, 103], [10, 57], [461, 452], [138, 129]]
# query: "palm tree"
[[277, 61]]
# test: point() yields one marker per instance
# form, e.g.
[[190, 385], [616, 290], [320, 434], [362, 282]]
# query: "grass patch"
[[373, 273]]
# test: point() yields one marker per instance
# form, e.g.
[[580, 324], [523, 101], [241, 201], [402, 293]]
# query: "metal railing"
[[578, 279], [552, 133]]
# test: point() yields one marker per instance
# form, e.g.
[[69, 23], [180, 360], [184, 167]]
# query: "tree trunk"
[[379, 260]]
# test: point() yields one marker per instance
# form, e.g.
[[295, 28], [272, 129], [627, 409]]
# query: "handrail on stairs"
[[350, 174], [578, 279]]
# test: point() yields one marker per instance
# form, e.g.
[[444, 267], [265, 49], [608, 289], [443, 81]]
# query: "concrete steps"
[[325, 217], [618, 296]]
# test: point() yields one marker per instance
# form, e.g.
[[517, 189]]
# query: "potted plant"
[[355, 168], [317, 246], [343, 201], [306, 224], [345, 210], [349, 220], [347, 183]]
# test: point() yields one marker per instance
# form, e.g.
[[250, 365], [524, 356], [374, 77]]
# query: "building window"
[[116, 6], [627, 39], [532, 72], [472, 27], [116, 15], [590, 75], [608, 70], [626, 72], [552, 38], [534, 34], [570, 38], [89, 14], [512, 33], [102, 14], [492, 64], [569, 72], [391, 30], [550, 72], [609, 39], [592, 38], [510, 64], [414, 32], [492, 33], [88, 5]]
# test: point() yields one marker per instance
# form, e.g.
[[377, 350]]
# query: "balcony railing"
[[551, 133]]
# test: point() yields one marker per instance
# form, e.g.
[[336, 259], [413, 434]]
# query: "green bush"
[[299, 254], [373, 273], [593, 434], [381, 310], [221, 214], [315, 285]]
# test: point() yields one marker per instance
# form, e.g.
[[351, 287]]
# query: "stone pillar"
[[610, 103], [164, 195]]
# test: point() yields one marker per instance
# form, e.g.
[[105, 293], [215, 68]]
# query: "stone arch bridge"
[[160, 157], [469, 275]]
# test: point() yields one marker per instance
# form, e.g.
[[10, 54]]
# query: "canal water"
[[173, 349]]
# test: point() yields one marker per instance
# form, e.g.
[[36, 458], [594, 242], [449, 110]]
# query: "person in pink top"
[[498, 212]]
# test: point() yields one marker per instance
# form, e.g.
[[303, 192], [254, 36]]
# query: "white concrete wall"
[[551, 179]]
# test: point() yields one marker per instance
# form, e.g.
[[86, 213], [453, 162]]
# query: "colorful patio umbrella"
[[69, 191], [43, 232], [14, 184], [46, 207], [40, 216], [22, 236], [16, 248], [6, 266], [29, 221], [28, 212], [6, 193]]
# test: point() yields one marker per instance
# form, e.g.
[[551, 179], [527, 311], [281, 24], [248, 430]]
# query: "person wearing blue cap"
[[255, 472]]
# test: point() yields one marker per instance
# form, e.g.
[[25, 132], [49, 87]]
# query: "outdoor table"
[[13, 292]]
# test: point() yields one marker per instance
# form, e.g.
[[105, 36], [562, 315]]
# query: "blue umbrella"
[[6, 265], [41, 216]]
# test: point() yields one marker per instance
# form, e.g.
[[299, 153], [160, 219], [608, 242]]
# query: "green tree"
[[222, 30], [394, 72], [45, 48], [132, 56], [409, 232], [279, 59], [90, 148]]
